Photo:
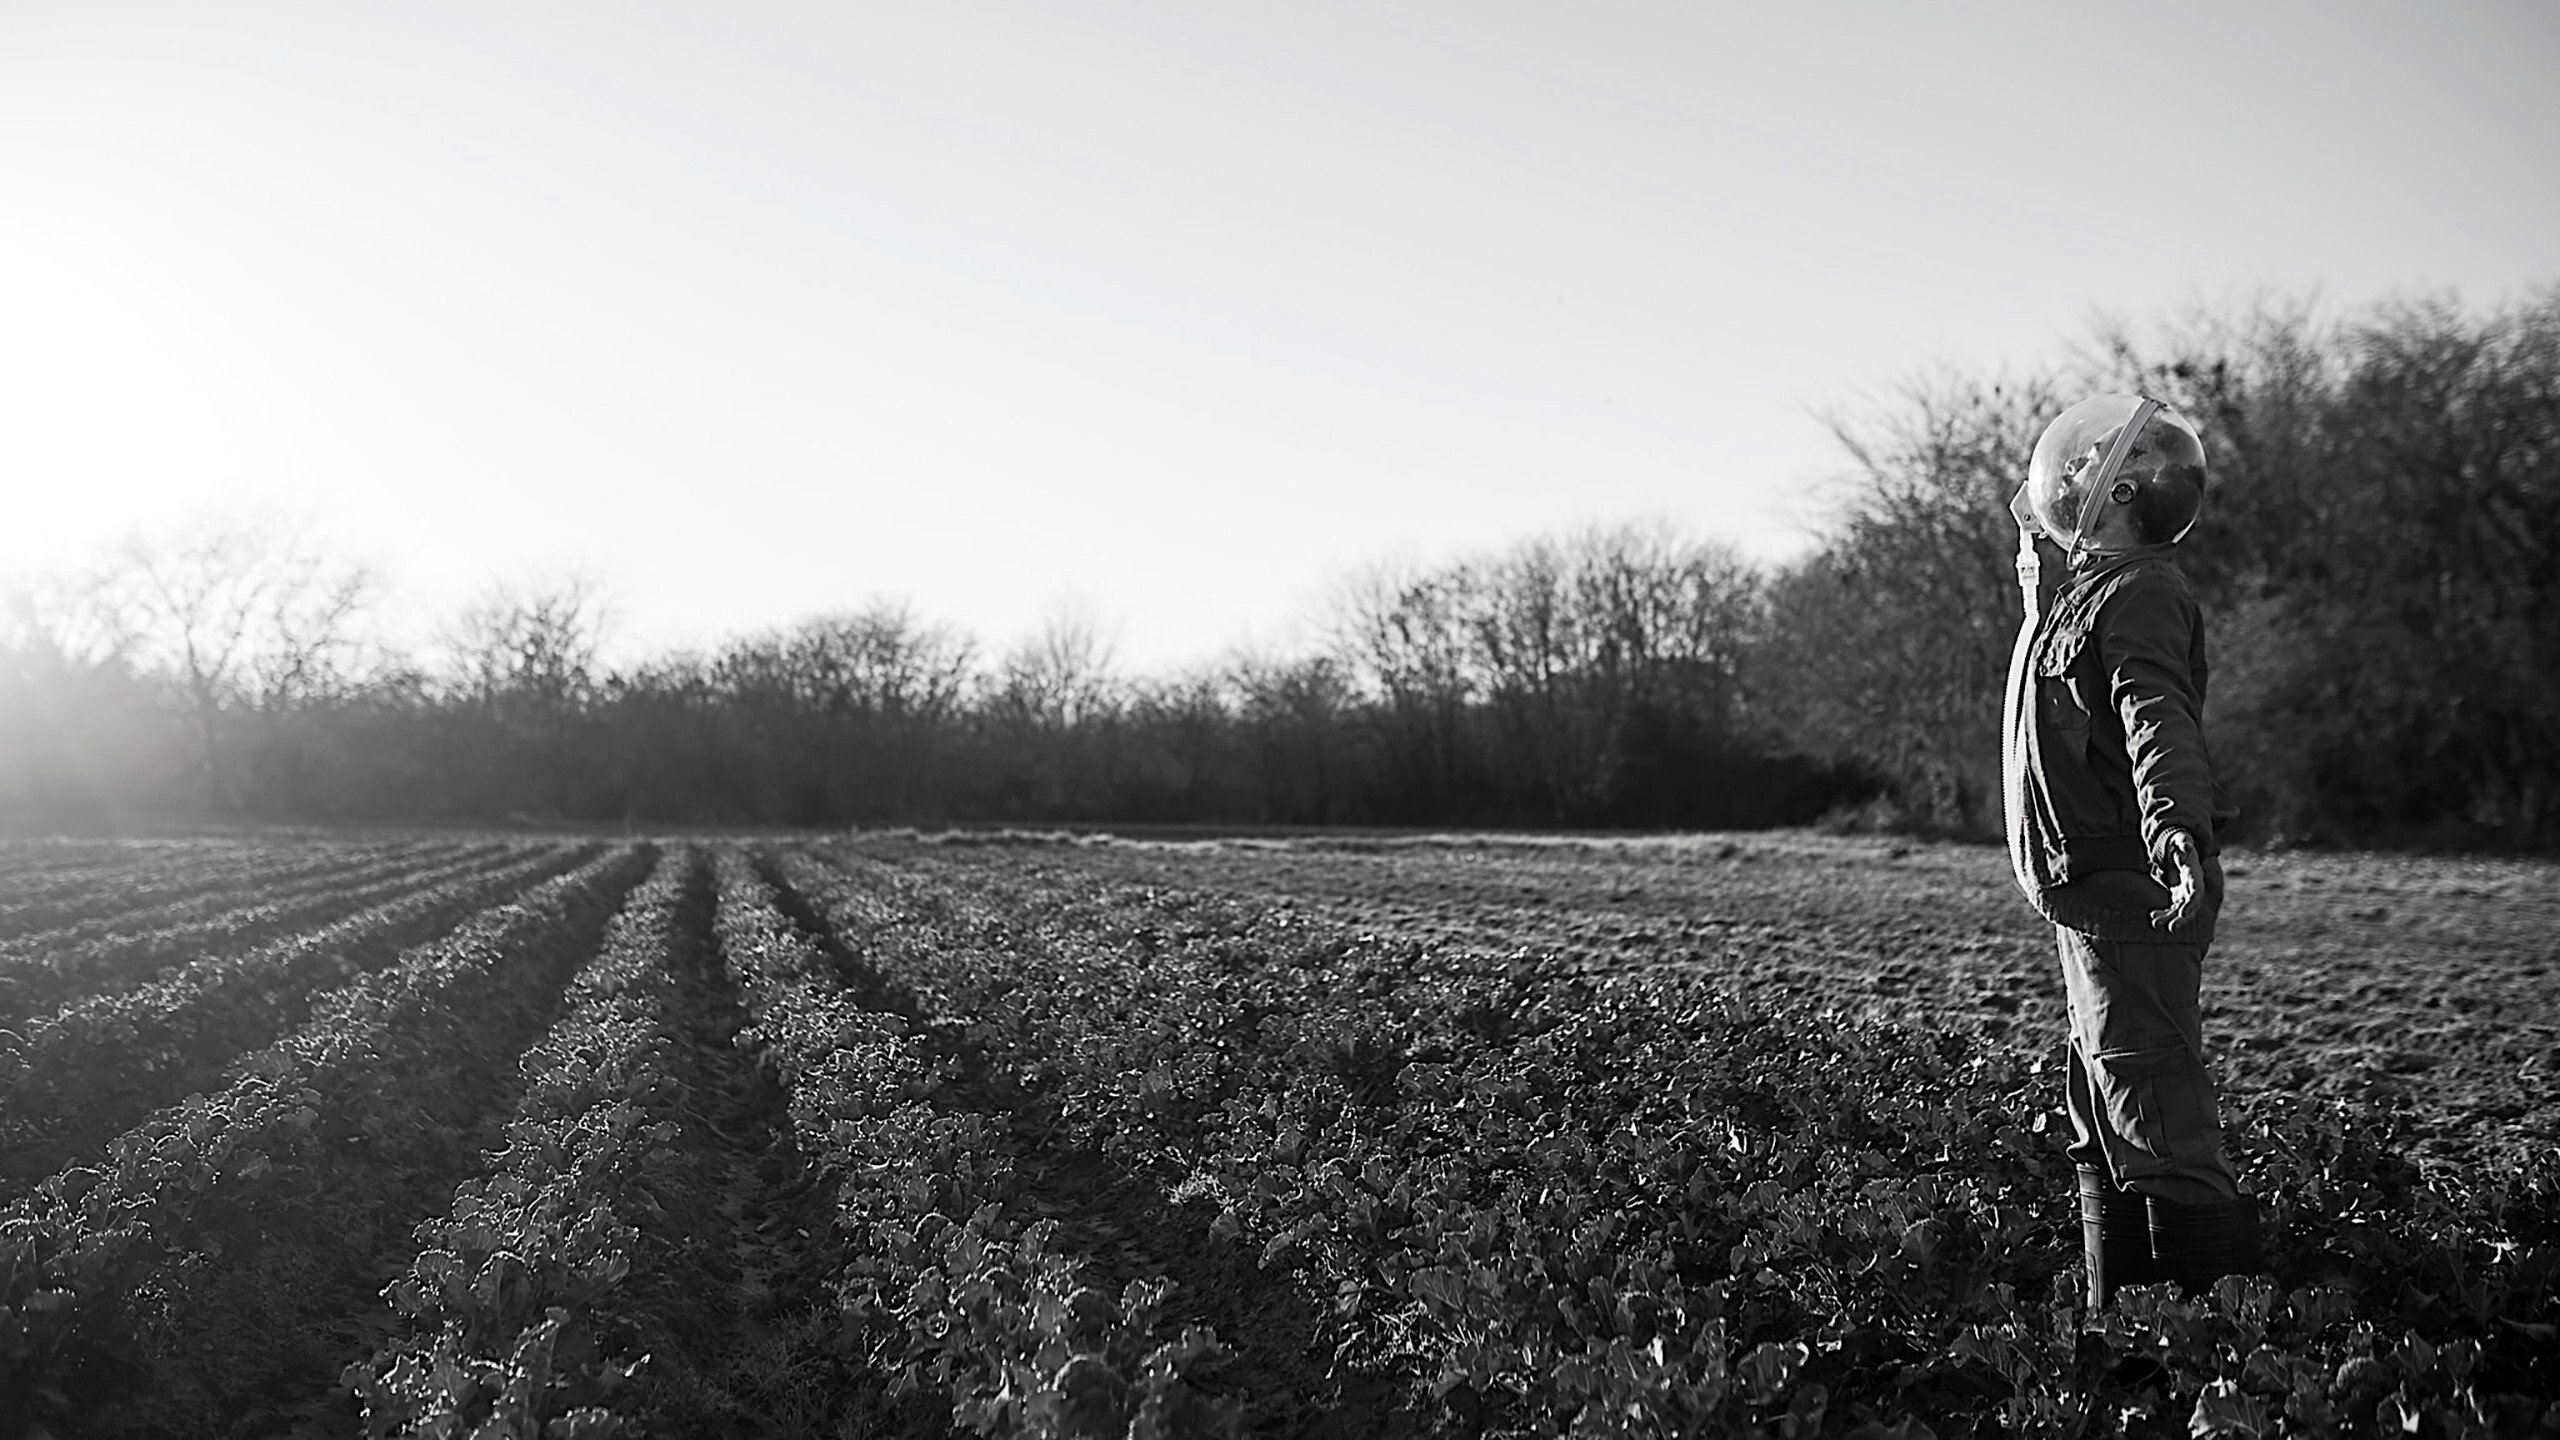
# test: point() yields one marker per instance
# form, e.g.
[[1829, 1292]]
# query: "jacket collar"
[[2098, 566]]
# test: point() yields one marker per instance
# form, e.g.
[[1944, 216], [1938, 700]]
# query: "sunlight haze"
[[1177, 312]]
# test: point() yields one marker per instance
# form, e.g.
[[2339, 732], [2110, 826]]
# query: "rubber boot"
[[2199, 1244], [2115, 1234]]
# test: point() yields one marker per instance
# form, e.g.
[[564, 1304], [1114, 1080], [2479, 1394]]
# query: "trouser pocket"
[[2146, 1094], [2156, 1111]]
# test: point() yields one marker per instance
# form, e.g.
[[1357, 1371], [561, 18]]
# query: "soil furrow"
[[770, 1355], [273, 1286], [1125, 1225]]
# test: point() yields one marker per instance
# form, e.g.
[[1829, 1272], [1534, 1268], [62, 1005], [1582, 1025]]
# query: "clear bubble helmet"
[[2112, 451]]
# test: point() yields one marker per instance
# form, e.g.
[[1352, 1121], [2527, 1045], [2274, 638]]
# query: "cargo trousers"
[[2141, 1102]]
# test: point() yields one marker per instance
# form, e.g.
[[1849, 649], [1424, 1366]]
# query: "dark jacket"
[[2106, 747]]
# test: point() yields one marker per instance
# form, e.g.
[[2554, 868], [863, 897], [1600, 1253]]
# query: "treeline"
[[1593, 680], [2380, 555]]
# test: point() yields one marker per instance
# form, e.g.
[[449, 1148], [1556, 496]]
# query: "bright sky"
[[1176, 311]]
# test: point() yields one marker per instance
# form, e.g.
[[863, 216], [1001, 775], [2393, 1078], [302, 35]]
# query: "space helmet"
[[2111, 450]]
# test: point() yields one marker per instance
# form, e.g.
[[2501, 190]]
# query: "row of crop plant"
[[548, 1293], [209, 1262], [44, 970], [44, 859], [110, 880], [542, 1302], [474, 1181], [227, 882], [1635, 1205], [220, 1266], [75, 1076], [172, 883], [953, 1280]]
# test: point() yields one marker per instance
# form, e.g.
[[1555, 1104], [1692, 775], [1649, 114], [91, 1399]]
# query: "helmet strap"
[[2127, 436]]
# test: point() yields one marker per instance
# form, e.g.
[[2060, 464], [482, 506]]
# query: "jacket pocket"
[[2061, 704]]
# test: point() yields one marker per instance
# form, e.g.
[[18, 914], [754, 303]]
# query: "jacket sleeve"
[[2149, 639]]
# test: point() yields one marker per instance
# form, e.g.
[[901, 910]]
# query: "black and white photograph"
[[1279, 720]]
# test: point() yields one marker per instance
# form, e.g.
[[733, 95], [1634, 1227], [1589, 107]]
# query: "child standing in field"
[[2112, 812]]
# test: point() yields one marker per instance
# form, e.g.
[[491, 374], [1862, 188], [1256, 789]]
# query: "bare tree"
[[524, 660], [848, 715], [1401, 634], [78, 732], [1053, 706], [237, 611], [70, 622], [878, 662], [1298, 715], [1889, 645], [529, 639], [1061, 676]]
